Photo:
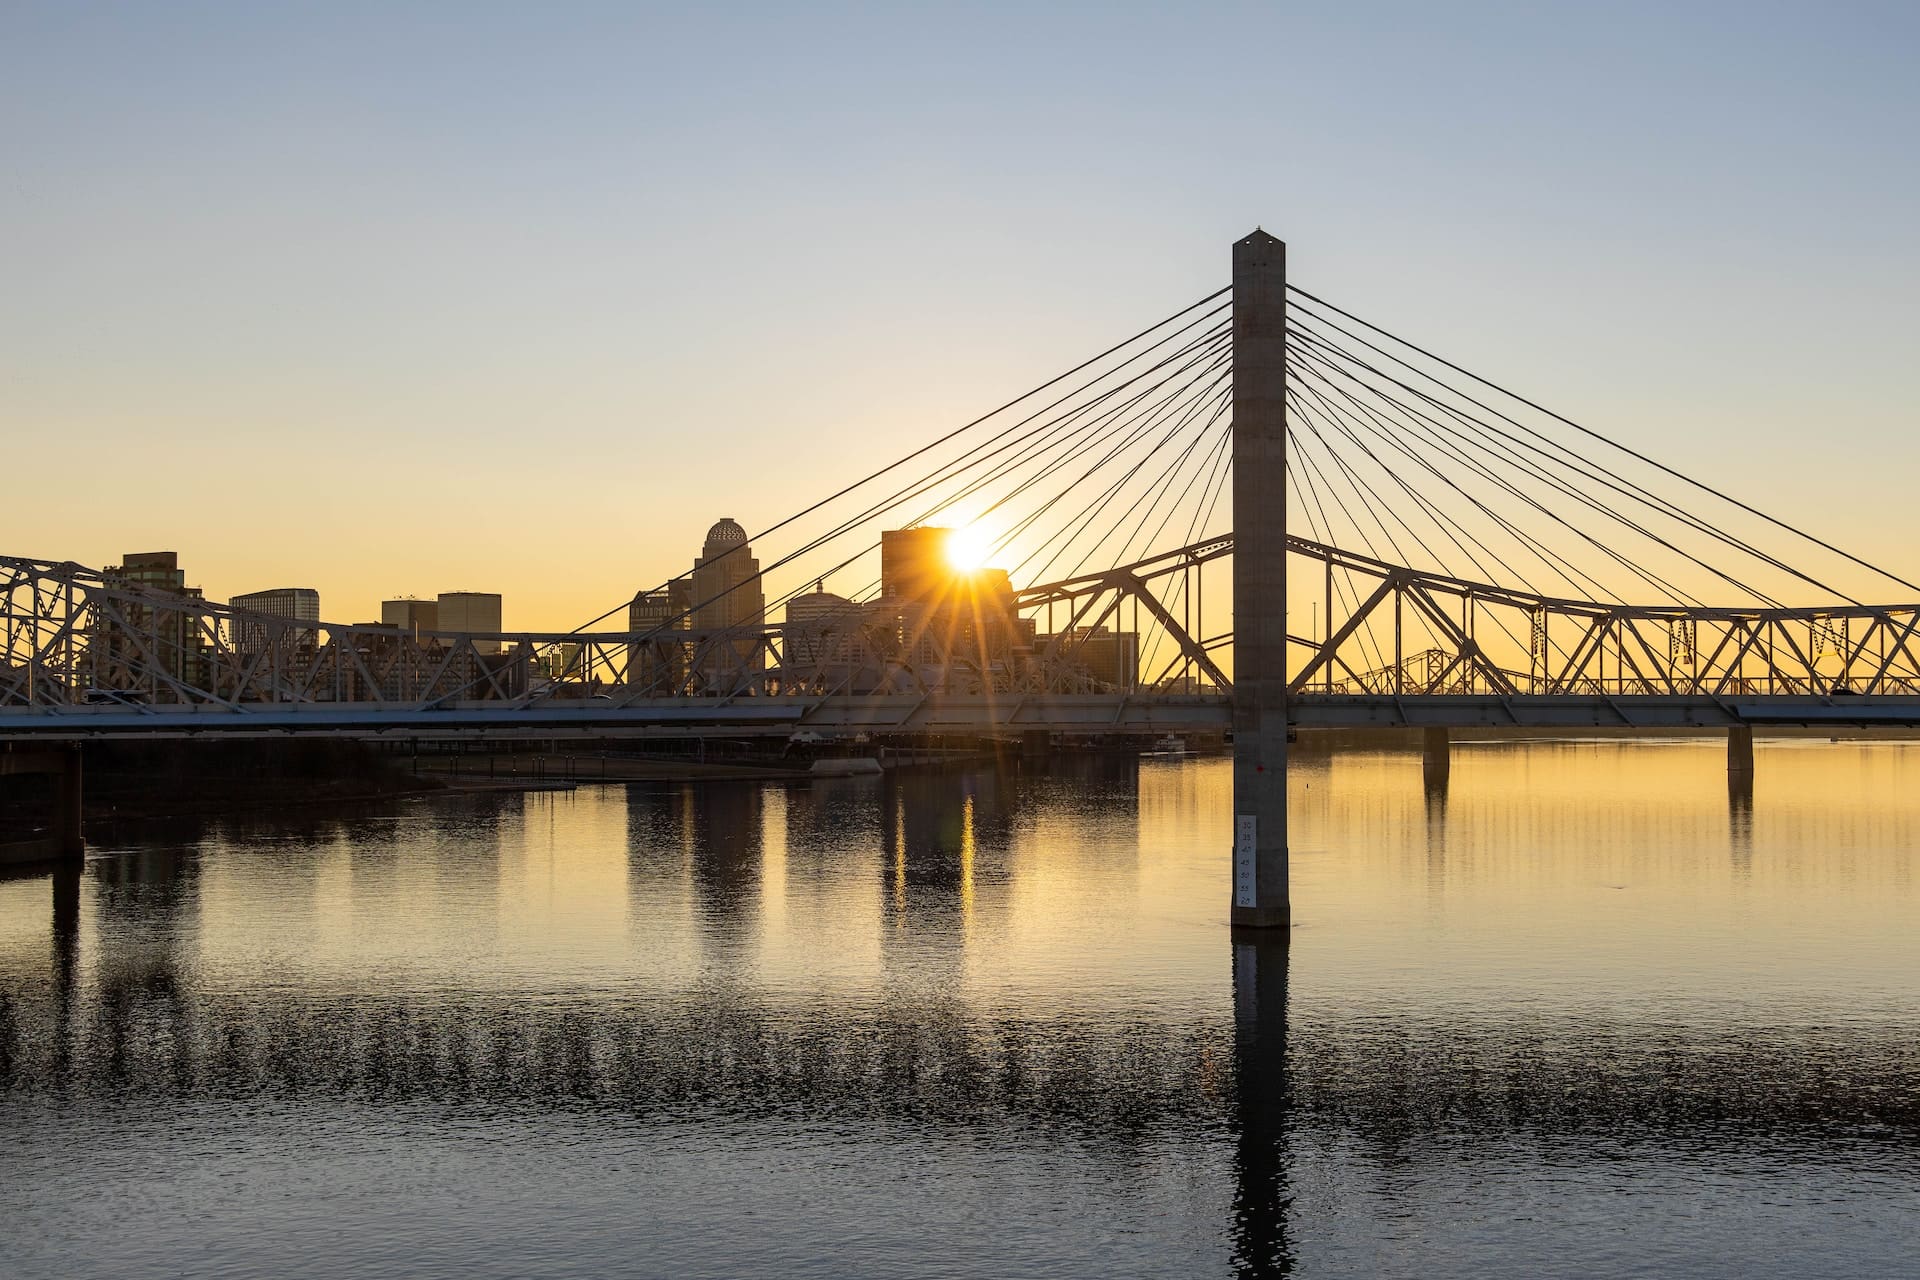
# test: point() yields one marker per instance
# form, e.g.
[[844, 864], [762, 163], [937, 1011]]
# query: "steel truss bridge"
[[191, 668], [1458, 556]]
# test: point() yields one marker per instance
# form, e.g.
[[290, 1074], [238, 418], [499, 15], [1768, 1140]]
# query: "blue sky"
[[408, 298]]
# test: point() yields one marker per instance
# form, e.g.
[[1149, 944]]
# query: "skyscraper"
[[410, 615], [726, 580], [471, 611], [727, 593], [668, 607], [913, 563], [822, 637], [298, 604], [658, 664], [961, 623]]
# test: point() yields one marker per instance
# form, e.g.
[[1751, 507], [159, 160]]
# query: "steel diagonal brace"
[[1622, 628], [155, 667], [1899, 645], [1813, 675], [1468, 649], [1173, 628], [1734, 665], [1340, 637], [1591, 645]]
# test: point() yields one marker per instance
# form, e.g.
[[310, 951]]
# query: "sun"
[[968, 548]]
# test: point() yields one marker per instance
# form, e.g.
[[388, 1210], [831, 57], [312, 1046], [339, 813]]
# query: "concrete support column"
[[1740, 752], [1260, 891], [1436, 755], [69, 832]]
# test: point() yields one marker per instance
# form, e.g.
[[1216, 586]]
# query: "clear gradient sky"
[[388, 299]]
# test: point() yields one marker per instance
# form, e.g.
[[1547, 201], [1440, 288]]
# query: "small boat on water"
[[1167, 744]]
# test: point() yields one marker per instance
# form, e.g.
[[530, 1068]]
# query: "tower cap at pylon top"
[[1259, 236]]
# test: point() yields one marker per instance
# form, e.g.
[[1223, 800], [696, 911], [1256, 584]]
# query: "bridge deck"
[[1091, 714], [1625, 711]]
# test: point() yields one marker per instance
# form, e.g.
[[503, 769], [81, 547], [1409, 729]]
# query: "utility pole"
[[1260, 583]]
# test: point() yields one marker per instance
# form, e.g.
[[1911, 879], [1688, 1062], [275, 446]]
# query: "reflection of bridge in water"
[[160, 1012], [1468, 559]]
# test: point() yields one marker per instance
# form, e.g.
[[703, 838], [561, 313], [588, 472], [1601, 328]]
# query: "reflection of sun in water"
[[968, 548]]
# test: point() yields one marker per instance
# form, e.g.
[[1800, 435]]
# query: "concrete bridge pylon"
[[1260, 893]]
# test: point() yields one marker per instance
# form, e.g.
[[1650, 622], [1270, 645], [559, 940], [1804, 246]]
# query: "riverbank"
[[537, 767], [128, 783]]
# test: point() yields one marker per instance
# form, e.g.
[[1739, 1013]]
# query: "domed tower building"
[[727, 592]]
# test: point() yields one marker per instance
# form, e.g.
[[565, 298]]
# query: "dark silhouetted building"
[[133, 644]]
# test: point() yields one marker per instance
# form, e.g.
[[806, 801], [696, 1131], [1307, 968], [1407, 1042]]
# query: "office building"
[[410, 615], [727, 593], [953, 624], [656, 664], [563, 663], [473, 612], [155, 570], [914, 564], [670, 606], [821, 636], [1110, 659], [135, 645], [726, 580], [293, 604]]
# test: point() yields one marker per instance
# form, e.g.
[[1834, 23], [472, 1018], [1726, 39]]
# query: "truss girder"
[[72, 637], [1554, 647]]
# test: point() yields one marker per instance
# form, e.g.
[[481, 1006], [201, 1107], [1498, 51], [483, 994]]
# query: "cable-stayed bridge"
[[1262, 511]]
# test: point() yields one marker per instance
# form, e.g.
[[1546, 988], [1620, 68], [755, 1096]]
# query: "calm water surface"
[[1578, 1011]]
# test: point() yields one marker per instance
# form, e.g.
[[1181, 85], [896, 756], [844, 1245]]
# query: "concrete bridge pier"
[[68, 841], [1740, 753], [70, 831], [1436, 757]]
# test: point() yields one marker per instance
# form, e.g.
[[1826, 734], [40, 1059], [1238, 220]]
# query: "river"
[[1578, 1009]]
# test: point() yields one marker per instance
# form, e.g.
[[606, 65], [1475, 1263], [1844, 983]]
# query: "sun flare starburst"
[[968, 548]]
